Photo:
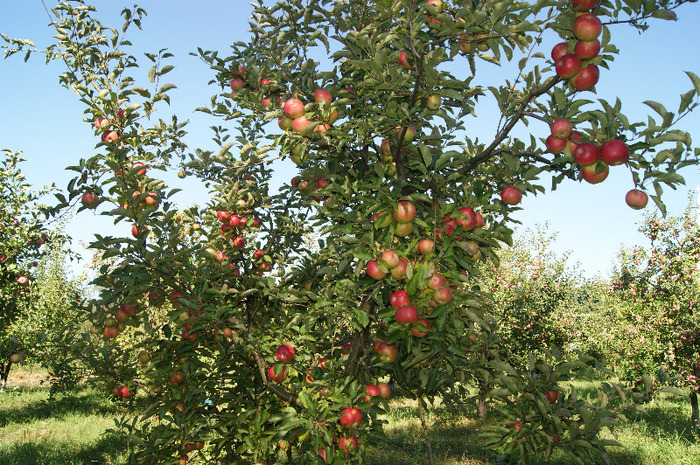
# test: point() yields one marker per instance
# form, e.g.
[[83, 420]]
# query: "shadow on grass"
[[108, 450], [81, 400]]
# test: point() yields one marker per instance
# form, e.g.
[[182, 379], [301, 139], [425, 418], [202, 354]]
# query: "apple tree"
[[275, 323], [20, 248]]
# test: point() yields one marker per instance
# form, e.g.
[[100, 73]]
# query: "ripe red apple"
[[587, 50], [347, 445], [374, 271], [636, 199], [391, 258], [436, 3], [399, 298], [385, 390], [293, 108], [436, 281], [586, 78], [573, 142], [89, 199], [587, 27], [559, 51], [561, 129], [373, 390], [301, 124], [387, 353], [281, 375], [405, 60], [420, 328], [350, 417], [567, 66], [236, 84], [589, 174], [427, 246], [101, 122], [614, 152], [442, 296], [433, 102], [511, 195], [586, 154], [479, 220], [466, 218], [284, 353], [551, 396], [555, 145], [109, 136], [177, 378], [123, 392], [110, 333], [406, 314], [583, 5], [322, 96], [399, 272], [405, 212]]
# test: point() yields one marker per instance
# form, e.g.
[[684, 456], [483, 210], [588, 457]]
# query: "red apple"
[[22, 281], [555, 145], [347, 445], [293, 108], [442, 296], [374, 271], [586, 154], [101, 122], [614, 152], [587, 50], [301, 124], [381, 219], [583, 5], [551, 396], [177, 378], [387, 353], [391, 258], [561, 129], [111, 332], [405, 212], [420, 328], [636, 199], [406, 314], [589, 174], [350, 417], [400, 271], [373, 390], [436, 281], [573, 142], [236, 84], [586, 78], [281, 375], [567, 66], [109, 136], [587, 27], [436, 3], [399, 299], [559, 51], [405, 60], [427, 246], [511, 195], [322, 96], [466, 218], [123, 392], [385, 390], [284, 353]]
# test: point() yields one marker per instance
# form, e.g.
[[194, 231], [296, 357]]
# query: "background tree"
[[20, 246], [268, 348]]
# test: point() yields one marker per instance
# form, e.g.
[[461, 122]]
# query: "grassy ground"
[[69, 430]]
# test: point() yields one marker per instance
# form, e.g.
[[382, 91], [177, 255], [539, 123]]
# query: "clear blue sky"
[[40, 118]]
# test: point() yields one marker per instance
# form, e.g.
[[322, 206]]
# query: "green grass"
[[70, 430]]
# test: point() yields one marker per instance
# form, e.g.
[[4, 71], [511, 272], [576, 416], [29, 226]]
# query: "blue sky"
[[44, 120]]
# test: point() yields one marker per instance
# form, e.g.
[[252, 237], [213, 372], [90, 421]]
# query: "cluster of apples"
[[105, 125], [309, 186], [594, 160], [274, 90], [284, 354], [386, 147], [572, 64]]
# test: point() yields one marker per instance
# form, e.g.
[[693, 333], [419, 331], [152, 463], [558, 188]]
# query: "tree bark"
[[695, 413], [481, 406], [421, 412], [4, 374]]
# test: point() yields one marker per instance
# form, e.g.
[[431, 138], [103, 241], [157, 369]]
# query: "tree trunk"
[[4, 374], [424, 424], [482, 400], [695, 413]]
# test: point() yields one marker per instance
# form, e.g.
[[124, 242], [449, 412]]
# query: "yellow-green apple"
[[410, 133], [381, 219], [433, 102]]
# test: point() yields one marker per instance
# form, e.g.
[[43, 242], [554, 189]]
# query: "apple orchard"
[[274, 326]]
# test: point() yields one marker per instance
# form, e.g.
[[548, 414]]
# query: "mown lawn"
[[70, 430]]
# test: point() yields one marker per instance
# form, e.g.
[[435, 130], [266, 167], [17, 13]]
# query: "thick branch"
[[490, 151]]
